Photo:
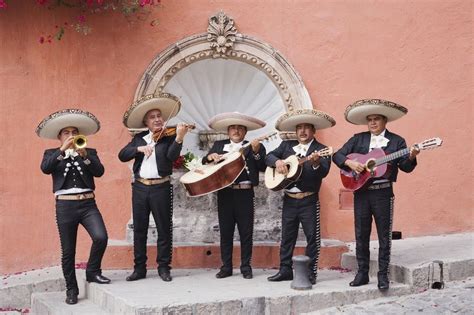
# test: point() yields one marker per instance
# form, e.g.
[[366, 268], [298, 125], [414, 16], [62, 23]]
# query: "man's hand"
[[82, 152], [315, 158], [281, 167], [355, 166], [181, 130], [414, 151], [214, 157], [255, 146], [146, 149], [67, 144]]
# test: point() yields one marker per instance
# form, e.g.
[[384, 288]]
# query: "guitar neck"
[[303, 159], [392, 156]]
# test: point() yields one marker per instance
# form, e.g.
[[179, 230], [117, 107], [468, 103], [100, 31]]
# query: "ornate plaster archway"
[[222, 41]]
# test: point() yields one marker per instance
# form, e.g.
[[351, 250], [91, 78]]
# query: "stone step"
[[197, 291], [119, 255], [16, 289], [412, 259], [52, 303]]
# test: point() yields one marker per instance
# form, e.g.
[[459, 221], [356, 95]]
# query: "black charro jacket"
[[56, 168], [167, 150], [360, 143]]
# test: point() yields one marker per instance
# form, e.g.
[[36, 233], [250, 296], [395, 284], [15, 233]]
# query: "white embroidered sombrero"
[[168, 104], [220, 122], [289, 120], [357, 112], [86, 123]]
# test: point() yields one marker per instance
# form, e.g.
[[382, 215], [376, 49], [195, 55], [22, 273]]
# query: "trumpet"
[[79, 142]]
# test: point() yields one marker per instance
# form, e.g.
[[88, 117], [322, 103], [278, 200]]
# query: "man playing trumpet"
[[73, 171]]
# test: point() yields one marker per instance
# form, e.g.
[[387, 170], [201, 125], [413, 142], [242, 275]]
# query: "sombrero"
[[289, 120], [168, 104], [357, 112], [220, 122], [86, 123]]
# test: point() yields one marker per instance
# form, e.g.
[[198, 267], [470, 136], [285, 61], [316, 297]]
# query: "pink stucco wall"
[[417, 53]]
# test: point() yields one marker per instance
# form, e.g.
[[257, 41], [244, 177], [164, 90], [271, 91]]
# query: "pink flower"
[[41, 40], [3, 4], [81, 18], [145, 2], [41, 2]]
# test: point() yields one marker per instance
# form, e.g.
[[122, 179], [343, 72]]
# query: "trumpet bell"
[[79, 142]]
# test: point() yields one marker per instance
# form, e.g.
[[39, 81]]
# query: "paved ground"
[[456, 298]]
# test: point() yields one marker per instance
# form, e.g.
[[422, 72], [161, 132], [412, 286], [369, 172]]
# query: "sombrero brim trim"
[[222, 121], [357, 112], [86, 123], [167, 103], [317, 118]]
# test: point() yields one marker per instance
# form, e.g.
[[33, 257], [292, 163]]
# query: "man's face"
[[305, 133], [236, 133], [67, 132], [376, 123], [153, 120]]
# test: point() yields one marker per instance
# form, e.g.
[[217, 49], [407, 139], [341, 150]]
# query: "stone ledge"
[[119, 255], [199, 292], [16, 290]]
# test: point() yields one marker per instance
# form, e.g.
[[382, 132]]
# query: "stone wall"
[[195, 219]]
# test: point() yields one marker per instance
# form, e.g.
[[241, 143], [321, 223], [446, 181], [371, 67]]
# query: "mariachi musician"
[[301, 200], [377, 199], [154, 151], [73, 167], [235, 203]]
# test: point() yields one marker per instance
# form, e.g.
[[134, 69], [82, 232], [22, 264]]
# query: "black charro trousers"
[[307, 212], [69, 214], [236, 207], [379, 205], [157, 199]]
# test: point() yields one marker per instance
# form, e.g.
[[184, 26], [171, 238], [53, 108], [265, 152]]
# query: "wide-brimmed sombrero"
[[167, 103], [357, 112], [86, 123], [289, 120], [221, 122]]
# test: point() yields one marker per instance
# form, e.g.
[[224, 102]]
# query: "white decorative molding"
[[238, 47], [221, 34]]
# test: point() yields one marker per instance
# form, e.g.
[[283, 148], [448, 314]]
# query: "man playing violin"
[[377, 199], [235, 203], [301, 200], [152, 191]]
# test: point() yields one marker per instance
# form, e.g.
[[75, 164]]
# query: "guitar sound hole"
[[371, 165]]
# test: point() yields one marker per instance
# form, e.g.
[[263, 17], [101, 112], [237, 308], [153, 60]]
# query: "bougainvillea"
[[131, 9]]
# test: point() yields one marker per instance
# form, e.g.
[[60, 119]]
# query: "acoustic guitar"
[[212, 177], [277, 181], [376, 164]]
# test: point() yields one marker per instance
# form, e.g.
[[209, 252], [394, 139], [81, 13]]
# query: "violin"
[[169, 131]]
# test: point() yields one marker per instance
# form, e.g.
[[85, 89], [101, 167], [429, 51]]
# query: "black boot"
[[282, 275], [136, 275], [383, 282], [361, 278], [223, 274], [164, 274], [71, 297], [97, 278]]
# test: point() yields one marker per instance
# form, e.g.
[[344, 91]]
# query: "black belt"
[[379, 186]]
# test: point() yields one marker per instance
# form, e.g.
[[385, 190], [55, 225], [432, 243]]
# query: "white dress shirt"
[[378, 142], [149, 169]]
